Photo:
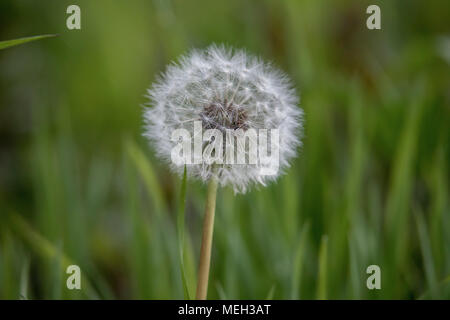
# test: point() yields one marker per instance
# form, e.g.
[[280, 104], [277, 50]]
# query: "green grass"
[[80, 185]]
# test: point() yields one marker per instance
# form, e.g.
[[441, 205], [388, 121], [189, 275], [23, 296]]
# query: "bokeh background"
[[79, 184]]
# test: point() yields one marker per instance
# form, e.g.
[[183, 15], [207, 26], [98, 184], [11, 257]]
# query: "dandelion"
[[233, 94]]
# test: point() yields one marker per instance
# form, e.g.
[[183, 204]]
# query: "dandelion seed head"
[[225, 89]]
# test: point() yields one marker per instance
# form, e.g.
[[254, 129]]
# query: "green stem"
[[205, 251]]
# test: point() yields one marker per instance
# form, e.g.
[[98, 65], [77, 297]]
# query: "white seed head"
[[225, 89]]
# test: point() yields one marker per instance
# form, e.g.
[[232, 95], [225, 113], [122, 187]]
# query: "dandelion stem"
[[205, 251]]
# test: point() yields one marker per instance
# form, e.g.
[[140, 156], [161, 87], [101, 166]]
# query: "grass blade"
[[11, 43], [180, 230], [24, 280], [271, 293], [322, 281], [148, 174], [298, 263], [221, 291], [427, 256]]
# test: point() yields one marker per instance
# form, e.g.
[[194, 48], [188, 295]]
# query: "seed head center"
[[223, 115]]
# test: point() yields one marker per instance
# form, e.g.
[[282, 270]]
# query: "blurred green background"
[[79, 184]]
